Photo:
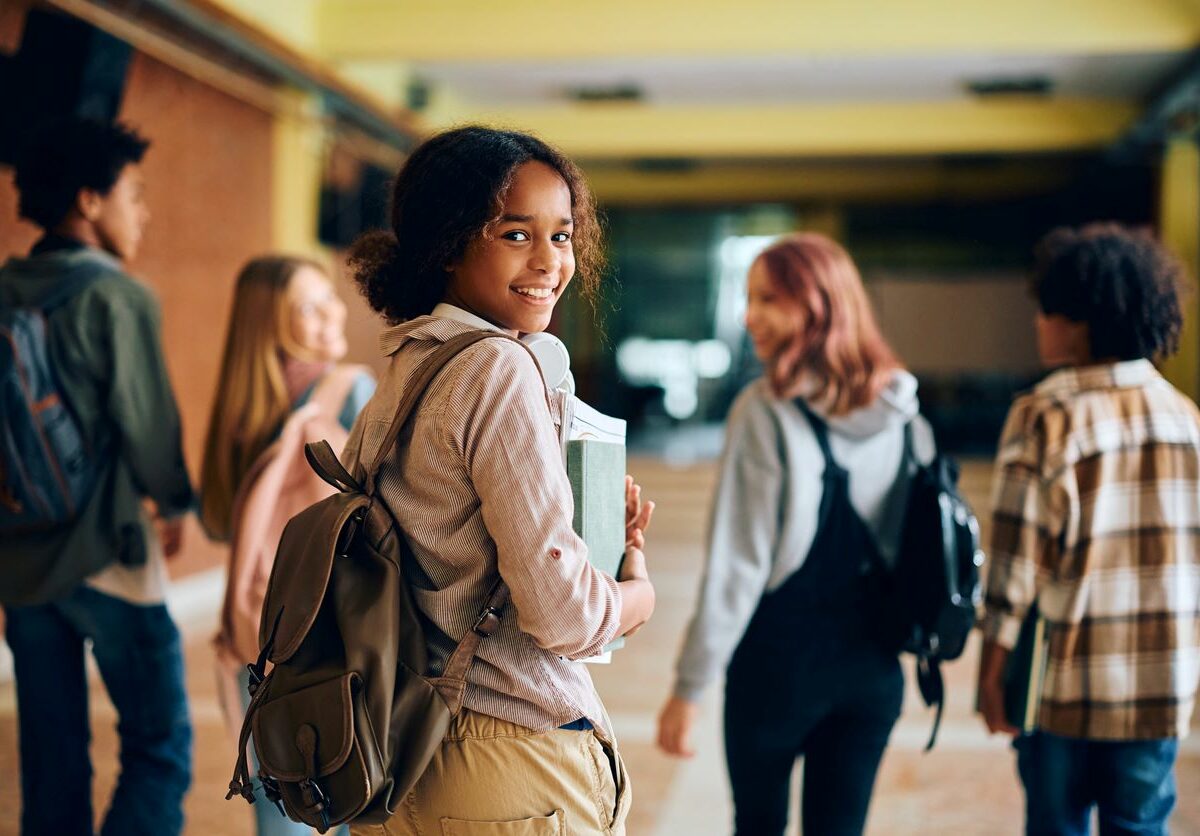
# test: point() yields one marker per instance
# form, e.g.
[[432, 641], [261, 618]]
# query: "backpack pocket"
[[318, 752]]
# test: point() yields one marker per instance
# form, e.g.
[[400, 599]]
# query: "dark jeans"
[[839, 722], [1130, 783], [137, 650]]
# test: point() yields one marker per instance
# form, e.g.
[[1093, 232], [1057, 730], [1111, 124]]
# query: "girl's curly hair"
[[450, 190]]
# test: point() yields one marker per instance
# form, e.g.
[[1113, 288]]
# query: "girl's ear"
[[88, 204]]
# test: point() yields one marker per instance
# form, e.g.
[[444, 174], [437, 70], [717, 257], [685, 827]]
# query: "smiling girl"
[[488, 228]]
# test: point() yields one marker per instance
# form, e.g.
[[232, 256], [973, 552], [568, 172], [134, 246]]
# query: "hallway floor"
[[967, 785]]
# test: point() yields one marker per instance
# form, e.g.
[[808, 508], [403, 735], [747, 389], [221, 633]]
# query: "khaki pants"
[[495, 778]]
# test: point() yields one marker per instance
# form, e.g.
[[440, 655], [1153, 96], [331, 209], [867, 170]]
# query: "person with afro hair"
[[1096, 530]]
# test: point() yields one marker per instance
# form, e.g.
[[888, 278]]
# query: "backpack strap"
[[416, 390], [933, 691], [68, 288], [453, 681]]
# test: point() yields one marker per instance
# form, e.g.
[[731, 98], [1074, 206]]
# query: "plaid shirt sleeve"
[[1027, 519]]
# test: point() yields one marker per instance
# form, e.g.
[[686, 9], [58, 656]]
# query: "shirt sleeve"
[[743, 533], [515, 462], [1026, 526], [142, 405]]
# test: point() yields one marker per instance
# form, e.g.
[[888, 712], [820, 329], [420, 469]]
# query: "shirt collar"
[[55, 242], [448, 311], [1125, 374]]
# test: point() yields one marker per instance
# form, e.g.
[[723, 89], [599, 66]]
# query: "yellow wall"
[[1179, 226]]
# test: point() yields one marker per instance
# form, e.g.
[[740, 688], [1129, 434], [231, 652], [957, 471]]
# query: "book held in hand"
[[596, 470], [1025, 673]]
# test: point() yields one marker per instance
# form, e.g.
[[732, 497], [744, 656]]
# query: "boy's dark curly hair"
[[1120, 281], [449, 190], [67, 156]]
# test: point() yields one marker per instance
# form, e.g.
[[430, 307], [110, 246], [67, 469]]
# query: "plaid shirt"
[[1096, 515]]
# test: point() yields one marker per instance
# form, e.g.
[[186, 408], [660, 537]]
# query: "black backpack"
[[930, 594]]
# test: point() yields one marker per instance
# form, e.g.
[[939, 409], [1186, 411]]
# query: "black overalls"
[[808, 679]]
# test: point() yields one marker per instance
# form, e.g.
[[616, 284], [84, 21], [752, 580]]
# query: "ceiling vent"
[[596, 93], [1030, 85]]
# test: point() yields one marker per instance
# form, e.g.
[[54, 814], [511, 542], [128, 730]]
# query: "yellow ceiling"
[[376, 43], [537, 30]]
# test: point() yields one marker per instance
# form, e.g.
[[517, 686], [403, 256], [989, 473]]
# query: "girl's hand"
[[675, 724], [991, 706], [636, 590], [992, 660], [637, 515]]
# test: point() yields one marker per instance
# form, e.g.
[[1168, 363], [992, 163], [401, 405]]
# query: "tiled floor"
[[966, 786]]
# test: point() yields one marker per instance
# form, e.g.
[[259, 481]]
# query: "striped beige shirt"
[[1096, 515], [479, 486]]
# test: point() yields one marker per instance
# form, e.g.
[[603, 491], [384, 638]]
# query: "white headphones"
[[554, 359]]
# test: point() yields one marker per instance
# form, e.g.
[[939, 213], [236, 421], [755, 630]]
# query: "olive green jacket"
[[106, 352]]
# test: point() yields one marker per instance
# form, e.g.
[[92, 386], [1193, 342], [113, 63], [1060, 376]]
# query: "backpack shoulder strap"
[[416, 390], [452, 683], [69, 288]]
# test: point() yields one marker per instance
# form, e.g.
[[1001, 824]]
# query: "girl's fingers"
[[643, 520]]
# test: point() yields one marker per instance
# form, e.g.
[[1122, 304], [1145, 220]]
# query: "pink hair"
[[838, 355]]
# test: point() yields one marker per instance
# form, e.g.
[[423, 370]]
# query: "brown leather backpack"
[[345, 722]]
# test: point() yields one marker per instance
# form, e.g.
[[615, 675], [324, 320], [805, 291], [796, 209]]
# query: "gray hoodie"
[[764, 512]]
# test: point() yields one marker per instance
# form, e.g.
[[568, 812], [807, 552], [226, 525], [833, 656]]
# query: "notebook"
[[596, 470], [1025, 673]]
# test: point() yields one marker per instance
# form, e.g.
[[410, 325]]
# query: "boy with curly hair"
[[1096, 519], [99, 579]]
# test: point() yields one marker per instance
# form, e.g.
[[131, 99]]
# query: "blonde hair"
[[252, 398]]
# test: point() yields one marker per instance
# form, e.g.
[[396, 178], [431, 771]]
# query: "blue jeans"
[[137, 650], [267, 818], [1130, 783]]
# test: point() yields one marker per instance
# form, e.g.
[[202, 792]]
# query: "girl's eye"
[[560, 237], [516, 235]]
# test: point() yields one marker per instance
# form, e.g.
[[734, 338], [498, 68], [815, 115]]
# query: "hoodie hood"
[[29, 282], [896, 404]]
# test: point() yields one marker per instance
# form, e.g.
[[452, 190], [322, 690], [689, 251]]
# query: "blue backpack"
[[47, 471]]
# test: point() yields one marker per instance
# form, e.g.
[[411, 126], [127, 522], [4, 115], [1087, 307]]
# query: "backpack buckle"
[[315, 799], [487, 623], [256, 679], [271, 791]]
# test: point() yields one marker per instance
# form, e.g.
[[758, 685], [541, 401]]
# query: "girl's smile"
[[513, 274]]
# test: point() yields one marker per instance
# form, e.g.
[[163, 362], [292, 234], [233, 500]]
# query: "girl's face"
[[771, 319], [316, 316], [514, 275]]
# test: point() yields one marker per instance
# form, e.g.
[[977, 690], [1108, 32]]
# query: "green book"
[[1025, 673], [596, 470]]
